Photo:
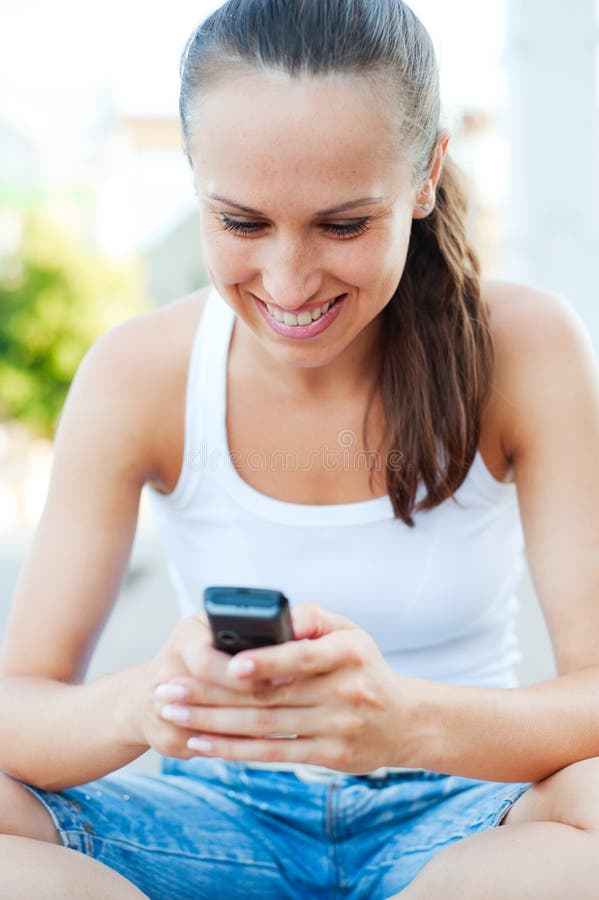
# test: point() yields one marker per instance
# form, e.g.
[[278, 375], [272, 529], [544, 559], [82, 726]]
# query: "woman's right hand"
[[187, 661]]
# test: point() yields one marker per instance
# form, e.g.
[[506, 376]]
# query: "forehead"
[[268, 130]]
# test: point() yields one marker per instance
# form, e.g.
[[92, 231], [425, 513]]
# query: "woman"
[[392, 421]]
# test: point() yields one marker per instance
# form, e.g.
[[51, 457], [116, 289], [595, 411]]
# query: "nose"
[[290, 274]]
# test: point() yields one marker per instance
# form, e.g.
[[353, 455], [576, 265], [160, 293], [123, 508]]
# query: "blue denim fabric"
[[208, 828]]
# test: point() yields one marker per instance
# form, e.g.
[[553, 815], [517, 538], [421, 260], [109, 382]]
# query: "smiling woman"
[[377, 751], [270, 133]]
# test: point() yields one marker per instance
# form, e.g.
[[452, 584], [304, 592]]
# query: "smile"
[[303, 318], [304, 325]]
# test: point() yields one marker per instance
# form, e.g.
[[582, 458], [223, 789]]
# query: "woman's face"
[[303, 203]]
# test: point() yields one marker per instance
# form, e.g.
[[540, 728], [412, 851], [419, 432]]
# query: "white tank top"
[[438, 598]]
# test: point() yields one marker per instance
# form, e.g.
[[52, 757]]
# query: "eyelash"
[[247, 229]]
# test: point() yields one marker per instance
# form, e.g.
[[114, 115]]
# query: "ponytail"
[[436, 358]]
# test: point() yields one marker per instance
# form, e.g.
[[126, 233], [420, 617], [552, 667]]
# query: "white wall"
[[552, 232]]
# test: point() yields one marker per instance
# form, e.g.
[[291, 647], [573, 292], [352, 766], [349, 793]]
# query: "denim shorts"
[[210, 828]]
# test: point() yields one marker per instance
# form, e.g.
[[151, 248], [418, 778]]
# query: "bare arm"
[[57, 731]]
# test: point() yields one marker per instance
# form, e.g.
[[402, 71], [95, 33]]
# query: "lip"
[[302, 332], [296, 312]]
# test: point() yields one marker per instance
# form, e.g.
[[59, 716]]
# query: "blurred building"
[[171, 240], [479, 148], [145, 190]]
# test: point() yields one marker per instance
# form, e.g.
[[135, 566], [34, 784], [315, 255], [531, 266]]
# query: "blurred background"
[[98, 219]]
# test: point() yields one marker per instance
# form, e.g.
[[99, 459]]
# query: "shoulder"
[[148, 337], [134, 373], [521, 314], [542, 351]]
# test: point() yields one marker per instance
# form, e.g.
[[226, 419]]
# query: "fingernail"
[[170, 692], [202, 745], [240, 667], [276, 682], [179, 714]]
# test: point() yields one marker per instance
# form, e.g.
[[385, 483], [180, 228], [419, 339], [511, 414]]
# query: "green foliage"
[[57, 296]]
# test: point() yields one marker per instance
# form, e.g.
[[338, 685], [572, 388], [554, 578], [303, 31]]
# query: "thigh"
[[23, 815], [168, 835], [413, 817]]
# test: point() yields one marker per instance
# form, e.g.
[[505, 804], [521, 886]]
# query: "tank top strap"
[[206, 388], [208, 395]]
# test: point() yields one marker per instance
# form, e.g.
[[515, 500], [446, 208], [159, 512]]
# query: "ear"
[[440, 152], [425, 199]]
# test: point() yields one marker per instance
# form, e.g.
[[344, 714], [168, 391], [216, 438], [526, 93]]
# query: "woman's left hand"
[[334, 695]]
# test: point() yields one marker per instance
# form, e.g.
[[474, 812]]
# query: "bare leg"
[[35, 870], [35, 865], [524, 861]]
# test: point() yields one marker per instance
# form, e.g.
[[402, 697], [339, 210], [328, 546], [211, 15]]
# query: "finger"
[[193, 692], [204, 661], [198, 625], [296, 659], [290, 750], [246, 721], [312, 621], [201, 616]]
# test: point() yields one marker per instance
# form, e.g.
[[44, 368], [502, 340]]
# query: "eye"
[[348, 229], [237, 227], [247, 229]]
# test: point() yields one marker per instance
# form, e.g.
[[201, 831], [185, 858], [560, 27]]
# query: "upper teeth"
[[303, 318]]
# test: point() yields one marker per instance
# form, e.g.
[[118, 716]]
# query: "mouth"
[[306, 316], [306, 324]]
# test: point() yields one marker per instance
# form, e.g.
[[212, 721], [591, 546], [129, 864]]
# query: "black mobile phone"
[[242, 617]]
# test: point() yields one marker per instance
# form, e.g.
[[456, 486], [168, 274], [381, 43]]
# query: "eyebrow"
[[363, 201]]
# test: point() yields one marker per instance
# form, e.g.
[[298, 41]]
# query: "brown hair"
[[437, 354]]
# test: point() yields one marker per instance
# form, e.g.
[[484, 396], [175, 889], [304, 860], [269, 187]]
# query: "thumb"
[[312, 621], [200, 616]]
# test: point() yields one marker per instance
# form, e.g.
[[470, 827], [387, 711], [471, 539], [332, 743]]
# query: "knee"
[[22, 814], [569, 796]]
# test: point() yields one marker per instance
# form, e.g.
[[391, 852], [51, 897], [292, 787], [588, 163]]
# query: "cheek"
[[227, 258], [379, 261], [393, 259]]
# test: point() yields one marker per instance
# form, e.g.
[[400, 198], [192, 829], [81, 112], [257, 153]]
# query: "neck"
[[350, 374]]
